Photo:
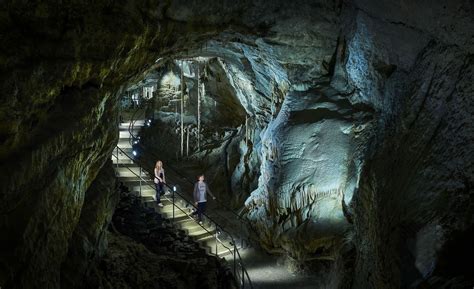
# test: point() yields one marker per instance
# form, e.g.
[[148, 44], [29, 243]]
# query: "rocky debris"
[[146, 251], [146, 226]]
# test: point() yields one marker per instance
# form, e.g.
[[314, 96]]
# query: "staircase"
[[139, 182]]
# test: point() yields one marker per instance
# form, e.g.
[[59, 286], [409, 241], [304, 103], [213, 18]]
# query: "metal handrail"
[[174, 204], [216, 225], [236, 251]]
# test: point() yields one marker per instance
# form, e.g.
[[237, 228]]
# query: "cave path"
[[265, 270]]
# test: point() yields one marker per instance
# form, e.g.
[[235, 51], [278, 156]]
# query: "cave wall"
[[43, 196], [89, 243], [59, 72], [414, 66], [61, 66]]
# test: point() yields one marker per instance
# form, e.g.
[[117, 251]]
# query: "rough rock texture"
[[61, 65], [415, 193], [43, 194], [89, 243], [307, 154]]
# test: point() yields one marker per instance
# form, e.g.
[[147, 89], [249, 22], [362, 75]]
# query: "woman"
[[159, 181], [200, 197]]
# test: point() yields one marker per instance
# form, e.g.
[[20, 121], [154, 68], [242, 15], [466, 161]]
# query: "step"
[[131, 171], [146, 189], [177, 208], [124, 153], [210, 246], [124, 143], [151, 198], [148, 199], [138, 122], [177, 214], [125, 134], [201, 236], [122, 161], [134, 182], [186, 224], [153, 204], [195, 229]]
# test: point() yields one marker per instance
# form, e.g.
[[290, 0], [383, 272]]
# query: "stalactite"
[[187, 141], [182, 110], [198, 112], [175, 108]]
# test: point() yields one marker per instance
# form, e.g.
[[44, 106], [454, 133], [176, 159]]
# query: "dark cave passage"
[[337, 138]]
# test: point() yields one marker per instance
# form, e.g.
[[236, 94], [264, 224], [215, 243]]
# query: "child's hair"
[[200, 175]]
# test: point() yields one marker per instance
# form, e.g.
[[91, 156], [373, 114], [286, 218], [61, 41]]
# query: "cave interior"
[[337, 138]]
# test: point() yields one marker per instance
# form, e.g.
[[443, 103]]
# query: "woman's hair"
[[200, 175], [159, 164]]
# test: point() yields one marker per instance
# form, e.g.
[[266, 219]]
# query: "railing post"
[[140, 177], [174, 190], [117, 156], [235, 258], [215, 224], [243, 276]]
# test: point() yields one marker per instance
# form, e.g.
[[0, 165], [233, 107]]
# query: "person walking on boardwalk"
[[201, 189], [159, 181]]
